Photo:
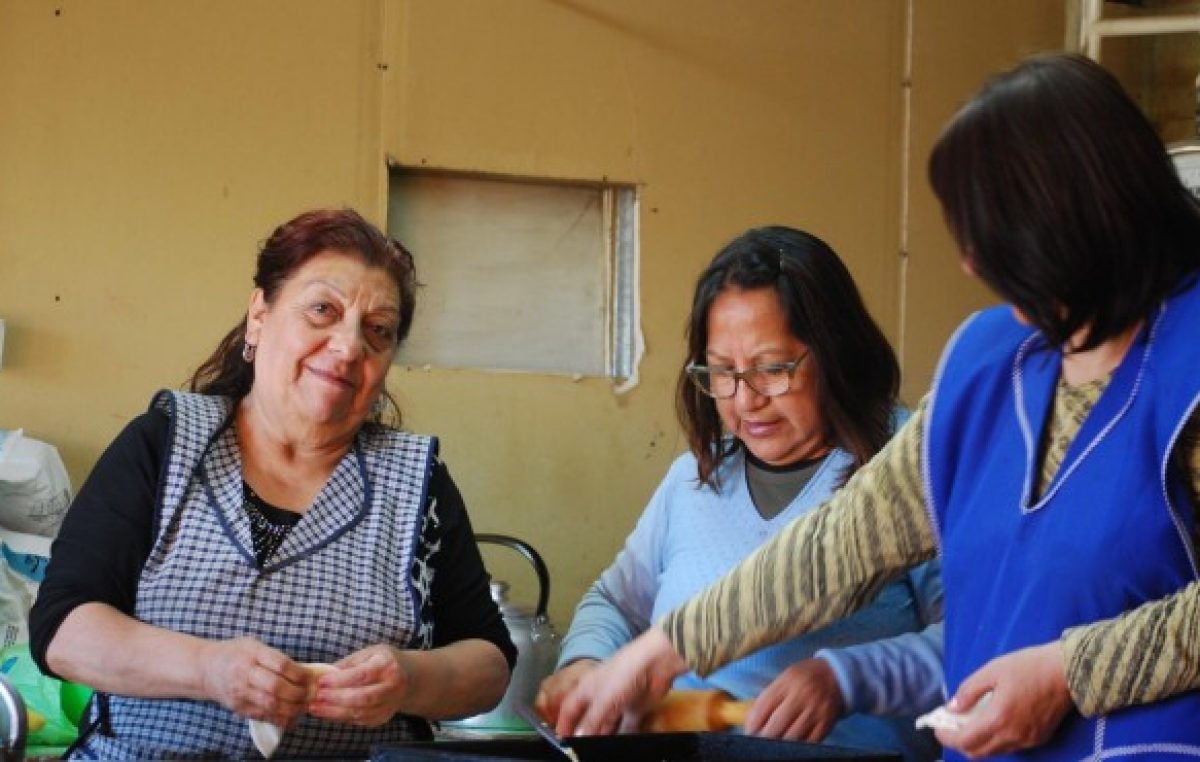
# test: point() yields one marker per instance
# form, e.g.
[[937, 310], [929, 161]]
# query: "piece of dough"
[[265, 735], [943, 719]]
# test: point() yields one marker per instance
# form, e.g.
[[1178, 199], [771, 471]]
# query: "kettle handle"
[[539, 566]]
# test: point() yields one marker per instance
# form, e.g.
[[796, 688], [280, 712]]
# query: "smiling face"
[[324, 346], [748, 328]]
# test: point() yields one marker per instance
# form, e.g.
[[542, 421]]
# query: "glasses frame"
[[694, 371]]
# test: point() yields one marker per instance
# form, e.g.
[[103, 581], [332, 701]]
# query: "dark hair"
[[857, 376], [292, 245], [1064, 201]]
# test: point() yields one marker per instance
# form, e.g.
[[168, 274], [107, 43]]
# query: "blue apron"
[[1111, 531]]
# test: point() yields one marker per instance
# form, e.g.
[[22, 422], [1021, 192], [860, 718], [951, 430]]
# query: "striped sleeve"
[[819, 568], [1149, 653], [828, 563]]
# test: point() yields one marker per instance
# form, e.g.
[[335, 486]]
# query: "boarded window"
[[519, 274]]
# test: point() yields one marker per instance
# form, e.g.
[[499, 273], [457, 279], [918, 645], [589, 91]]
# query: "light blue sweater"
[[689, 536]]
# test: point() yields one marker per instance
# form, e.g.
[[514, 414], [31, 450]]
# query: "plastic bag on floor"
[[34, 488]]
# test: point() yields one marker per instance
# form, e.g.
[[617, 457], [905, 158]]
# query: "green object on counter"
[[60, 703]]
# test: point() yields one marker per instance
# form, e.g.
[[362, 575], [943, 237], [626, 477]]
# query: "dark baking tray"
[[643, 747]]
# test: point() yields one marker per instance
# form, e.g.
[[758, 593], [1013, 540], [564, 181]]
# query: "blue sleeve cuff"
[[843, 678], [900, 675]]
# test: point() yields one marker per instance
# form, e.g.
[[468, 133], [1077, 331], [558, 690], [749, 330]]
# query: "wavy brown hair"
[[293, 244], [857, 376]]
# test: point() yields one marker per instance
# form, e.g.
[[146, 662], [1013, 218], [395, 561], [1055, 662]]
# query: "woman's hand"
[[615, 694], [555, 688], [254, 680], [1029, 698], [367, 689], [802, 704]]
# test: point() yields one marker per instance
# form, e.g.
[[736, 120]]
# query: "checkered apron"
[[346, 576]]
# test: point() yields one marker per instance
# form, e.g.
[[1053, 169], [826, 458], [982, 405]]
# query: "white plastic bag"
[[15, 601], [34, 488]]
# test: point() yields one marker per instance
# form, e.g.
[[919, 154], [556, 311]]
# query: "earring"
[[248, 352]]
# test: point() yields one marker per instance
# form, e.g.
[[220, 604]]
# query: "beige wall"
[[956, 45], [147, 147]]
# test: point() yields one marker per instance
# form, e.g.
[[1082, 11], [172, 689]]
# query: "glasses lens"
[[771, 382], [722, 384]]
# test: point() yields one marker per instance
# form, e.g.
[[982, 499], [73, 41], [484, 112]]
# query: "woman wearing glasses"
[[1054, 466], [789, 388]]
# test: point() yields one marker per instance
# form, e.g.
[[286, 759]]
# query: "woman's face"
[[748, 328], [325, 346]]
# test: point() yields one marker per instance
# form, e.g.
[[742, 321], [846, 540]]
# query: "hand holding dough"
[[266, 736]]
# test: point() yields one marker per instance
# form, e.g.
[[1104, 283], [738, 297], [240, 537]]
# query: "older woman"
[[1055, 465], [789, 388], [269, 519]]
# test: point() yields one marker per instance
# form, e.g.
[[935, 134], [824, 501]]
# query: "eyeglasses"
[[722, 383]]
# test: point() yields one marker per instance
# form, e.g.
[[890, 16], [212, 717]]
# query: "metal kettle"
[[537, 644]]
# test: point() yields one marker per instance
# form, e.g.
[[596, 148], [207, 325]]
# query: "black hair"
[[1064, 201], [857, 376]]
